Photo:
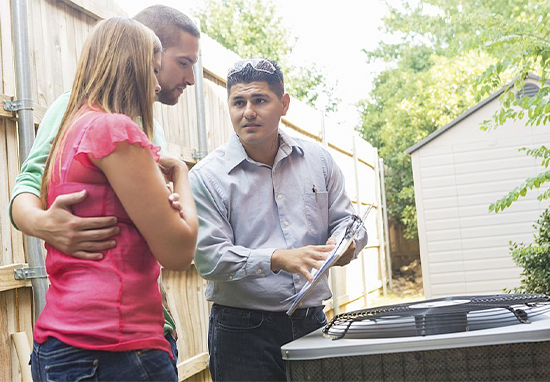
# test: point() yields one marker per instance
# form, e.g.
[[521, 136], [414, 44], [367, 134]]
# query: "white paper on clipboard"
[[351, 232]]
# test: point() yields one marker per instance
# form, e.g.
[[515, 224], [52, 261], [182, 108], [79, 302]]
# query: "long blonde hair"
[[114, 75]]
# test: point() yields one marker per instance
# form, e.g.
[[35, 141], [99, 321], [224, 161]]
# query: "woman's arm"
[[140, 186]]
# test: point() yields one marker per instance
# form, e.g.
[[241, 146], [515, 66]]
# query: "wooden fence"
[[57, 30]]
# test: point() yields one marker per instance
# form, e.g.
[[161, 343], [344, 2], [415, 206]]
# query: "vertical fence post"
[[333, 274], [385, 221], [201, 110], [358, 205], [379, 224]]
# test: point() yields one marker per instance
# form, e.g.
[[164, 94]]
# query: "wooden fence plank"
[[7, 82], [5, 349], [182, 153], [23, 350], [11, 303], [185, 293], [65, 52], [5, 225], [7, 279], [25, 312], [96, 9], [12, 164], [189, 367]]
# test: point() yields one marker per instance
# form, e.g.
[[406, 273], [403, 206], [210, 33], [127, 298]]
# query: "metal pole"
[[333, 274], [201, 113], [385, 221], [358, 201], [25, 124]]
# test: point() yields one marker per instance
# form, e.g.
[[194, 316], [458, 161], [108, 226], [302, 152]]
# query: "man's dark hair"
[[249, 74], [164, 21]]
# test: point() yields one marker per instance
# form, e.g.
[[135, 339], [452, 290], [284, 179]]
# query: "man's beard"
[[168, 97]]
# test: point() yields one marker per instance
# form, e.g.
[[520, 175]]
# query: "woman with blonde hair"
[[103, 320]]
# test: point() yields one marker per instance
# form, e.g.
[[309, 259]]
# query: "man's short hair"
[[257, 70], [164, 21]]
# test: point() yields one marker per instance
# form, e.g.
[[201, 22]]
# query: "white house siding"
[[465, 249]]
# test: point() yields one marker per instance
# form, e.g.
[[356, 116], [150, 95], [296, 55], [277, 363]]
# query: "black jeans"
[[245, 345]]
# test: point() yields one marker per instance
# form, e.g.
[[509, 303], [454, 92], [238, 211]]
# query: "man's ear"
[[286, 103]]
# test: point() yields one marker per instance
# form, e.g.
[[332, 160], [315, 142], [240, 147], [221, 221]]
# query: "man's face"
[[255, 112], [157, 60], [176, 72]]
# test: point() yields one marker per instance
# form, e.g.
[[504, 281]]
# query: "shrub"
[[535, 259]]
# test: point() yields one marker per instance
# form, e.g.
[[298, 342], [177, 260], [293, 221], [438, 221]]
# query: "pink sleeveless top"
[[113, 304]]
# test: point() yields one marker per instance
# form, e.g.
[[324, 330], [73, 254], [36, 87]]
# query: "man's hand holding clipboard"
[[341, 247]]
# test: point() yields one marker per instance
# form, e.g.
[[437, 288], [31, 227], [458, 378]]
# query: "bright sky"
[[330, 33]]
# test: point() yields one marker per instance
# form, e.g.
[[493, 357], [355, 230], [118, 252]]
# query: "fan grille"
[[438, 316]]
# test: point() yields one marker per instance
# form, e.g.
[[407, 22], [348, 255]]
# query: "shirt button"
[[279, 196], [297, 277], [259, 271], [286, 223], [230, 277]]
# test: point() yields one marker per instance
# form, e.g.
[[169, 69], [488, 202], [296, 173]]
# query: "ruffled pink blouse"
[[113, 304]]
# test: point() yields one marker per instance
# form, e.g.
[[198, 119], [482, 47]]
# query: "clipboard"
[[351, 232]]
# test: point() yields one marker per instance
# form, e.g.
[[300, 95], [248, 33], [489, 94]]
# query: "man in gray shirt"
[[270, 207]]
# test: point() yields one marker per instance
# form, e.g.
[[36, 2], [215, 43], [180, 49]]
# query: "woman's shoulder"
[[102, 131], [101, 118], [98, 124]]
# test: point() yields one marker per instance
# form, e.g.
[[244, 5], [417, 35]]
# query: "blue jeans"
[[56, 361], [245, 345]]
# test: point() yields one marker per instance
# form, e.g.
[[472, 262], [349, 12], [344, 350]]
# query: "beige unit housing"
[[458, 172]]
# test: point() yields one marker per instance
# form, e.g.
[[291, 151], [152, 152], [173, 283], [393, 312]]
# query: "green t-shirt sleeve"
[[169, 323], [159, 138], [30, 178]]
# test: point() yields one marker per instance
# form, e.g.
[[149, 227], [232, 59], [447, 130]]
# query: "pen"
[[315, 192]]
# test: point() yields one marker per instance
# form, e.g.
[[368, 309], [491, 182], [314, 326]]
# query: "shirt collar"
[[235, 153]]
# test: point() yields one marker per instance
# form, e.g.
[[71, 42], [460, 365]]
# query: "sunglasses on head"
[[259, 64]]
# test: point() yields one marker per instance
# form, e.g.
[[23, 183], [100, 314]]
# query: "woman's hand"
[[174, 199], [172, 167]]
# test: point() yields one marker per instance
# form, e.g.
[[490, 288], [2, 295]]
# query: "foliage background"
[[253, 28], [450, 55], [535, 259]]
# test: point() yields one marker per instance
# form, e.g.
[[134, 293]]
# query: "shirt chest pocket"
[[316, 210]]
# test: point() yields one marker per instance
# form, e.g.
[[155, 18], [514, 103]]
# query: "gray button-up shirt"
[[247, 210]]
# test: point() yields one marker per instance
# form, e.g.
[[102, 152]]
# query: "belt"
[[298, 313]]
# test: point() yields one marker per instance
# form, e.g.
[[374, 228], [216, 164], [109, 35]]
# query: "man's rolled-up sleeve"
[[217, 258]]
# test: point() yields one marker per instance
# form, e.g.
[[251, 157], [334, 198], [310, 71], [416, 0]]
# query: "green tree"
[[249, 28], [499, 39], [422, 93], [252, 28], [520, 40]]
